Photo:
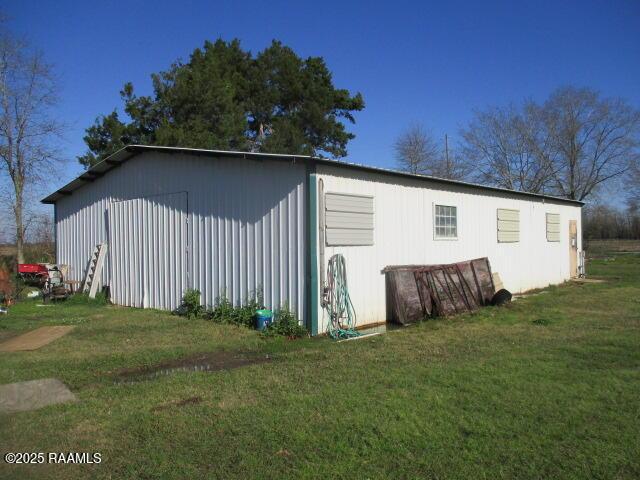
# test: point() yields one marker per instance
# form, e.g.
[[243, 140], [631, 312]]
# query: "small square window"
[[445, 222]]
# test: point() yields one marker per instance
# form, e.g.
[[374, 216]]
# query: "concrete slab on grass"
[[34, 339], [33, 394]]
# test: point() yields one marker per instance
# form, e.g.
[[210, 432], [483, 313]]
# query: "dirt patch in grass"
[[529, 293], [35, 339], [202, 362], [177, 403], [581, 281]]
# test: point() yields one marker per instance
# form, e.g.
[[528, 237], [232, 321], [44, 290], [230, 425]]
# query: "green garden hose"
[[342, 316]]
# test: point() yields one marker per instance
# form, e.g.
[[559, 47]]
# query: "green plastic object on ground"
[[264, 318]]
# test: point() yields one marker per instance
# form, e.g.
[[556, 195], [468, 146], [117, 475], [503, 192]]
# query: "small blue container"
[[263, 319]]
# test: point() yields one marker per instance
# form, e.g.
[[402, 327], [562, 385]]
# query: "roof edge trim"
[[127, 152]]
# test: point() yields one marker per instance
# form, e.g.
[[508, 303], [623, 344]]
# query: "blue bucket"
[[263, 319]]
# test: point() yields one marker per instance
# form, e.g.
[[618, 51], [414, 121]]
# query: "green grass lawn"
[[547, 387]]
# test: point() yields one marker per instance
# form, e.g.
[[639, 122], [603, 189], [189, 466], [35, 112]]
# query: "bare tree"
[[451, 165], [632, 183], [592, 139], [508, 148], [417, 152], [570, 145], [27, 131], [41, 241], [43, 229]]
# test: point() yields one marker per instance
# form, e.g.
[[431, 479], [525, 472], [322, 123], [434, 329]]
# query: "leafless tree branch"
[[28, 133], [570, 145], [417, 152]]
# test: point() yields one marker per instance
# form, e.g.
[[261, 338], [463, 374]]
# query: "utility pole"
[[446, 149]]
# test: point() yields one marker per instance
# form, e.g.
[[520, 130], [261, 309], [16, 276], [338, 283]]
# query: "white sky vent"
[[508, 225], [348, 219]]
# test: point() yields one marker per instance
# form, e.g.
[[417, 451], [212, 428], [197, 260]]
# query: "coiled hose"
[[337, 303]]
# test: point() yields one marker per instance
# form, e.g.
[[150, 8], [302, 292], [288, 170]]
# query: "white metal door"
[[148, 250]]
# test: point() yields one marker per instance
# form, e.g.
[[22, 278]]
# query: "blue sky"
[[427, 62]]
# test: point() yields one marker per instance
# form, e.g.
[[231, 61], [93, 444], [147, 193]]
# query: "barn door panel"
[[148, 248], [124, 248], [165, 273]]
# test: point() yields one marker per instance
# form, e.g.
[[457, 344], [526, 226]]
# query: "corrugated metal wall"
[[245, 229], [403, 234], [148, 250]]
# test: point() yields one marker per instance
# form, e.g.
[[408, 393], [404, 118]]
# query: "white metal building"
[[232, 224]]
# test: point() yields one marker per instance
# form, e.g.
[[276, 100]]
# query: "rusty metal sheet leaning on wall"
[[416, 292], [403, 300]]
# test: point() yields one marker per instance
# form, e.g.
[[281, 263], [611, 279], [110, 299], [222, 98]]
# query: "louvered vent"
[[508, 225], [348, 219], [553, 227]]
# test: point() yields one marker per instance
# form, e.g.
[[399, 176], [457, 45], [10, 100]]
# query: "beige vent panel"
[[342, 202], [553, 227], [508, 225], [348, 219]]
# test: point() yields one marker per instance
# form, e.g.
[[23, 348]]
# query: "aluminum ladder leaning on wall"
[[94, 272]]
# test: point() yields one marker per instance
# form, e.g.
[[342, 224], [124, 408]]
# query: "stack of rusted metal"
[[415, 292]]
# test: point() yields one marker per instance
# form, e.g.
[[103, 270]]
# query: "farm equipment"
[[34, 274], [47, 277]]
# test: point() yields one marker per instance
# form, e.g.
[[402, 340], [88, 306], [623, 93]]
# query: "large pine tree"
[[225, 98]]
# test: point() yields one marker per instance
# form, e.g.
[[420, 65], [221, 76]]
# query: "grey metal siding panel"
[[245, 229], [148, 241]]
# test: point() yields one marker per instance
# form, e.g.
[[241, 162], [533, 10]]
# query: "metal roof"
[[124, 154]]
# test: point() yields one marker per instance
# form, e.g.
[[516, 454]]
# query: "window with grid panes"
[[445, 221]]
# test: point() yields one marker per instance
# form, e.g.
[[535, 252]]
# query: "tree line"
[[604, 222]]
